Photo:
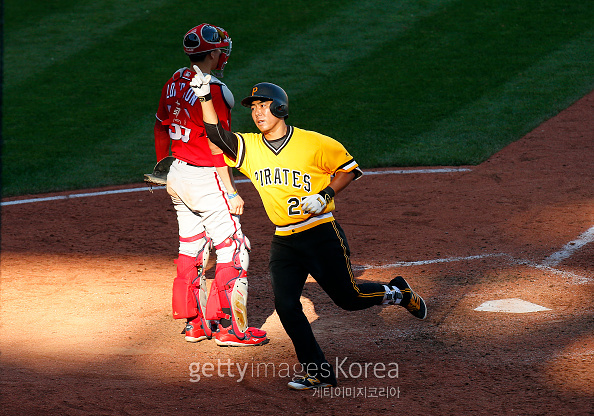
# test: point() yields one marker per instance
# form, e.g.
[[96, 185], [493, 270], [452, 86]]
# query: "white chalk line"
[[405, 171], [553, 260], [71, 196], [425, 262], [570, 248], [546, 265], [146, 188]]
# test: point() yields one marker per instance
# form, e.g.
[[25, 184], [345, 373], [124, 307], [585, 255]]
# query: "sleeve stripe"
[[240, 150], [348, 166], [351, 166]]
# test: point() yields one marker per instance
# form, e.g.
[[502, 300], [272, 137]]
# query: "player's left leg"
[[328, 260], [334, 274], [229, 292]]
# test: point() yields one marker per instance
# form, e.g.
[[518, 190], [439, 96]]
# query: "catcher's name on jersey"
[[180, 110], [284, 174]]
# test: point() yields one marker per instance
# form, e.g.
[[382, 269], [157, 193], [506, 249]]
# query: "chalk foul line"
[[569, 248], [146, 188], [433, 261], [546, 265]]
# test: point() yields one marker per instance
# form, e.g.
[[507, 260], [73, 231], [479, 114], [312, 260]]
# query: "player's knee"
[[347, 302], [347, 306], [234, 249]]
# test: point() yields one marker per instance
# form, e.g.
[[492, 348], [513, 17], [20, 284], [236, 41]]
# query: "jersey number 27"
[[294, 204]]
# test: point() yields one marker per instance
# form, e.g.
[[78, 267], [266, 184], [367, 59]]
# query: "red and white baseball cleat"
[[225, 337], [194, 331]]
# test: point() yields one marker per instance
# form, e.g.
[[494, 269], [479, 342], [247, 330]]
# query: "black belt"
[[190, 164]]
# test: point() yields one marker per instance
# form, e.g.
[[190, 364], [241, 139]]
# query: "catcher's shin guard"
[[227, 301], [189, 286], [232, 310], [228, 297], [233, 327]]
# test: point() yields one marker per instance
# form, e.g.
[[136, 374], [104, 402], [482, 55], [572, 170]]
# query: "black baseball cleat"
[[410, 300], [309, 382]]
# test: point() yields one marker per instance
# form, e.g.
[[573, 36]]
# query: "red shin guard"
[[185, 288]]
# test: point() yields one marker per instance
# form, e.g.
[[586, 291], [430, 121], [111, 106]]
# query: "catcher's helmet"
[[265, 91], [207, 38]]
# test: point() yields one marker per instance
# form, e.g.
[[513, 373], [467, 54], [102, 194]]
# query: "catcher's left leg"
[[227, 300]]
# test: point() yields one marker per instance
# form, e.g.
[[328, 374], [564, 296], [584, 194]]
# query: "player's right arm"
[[222, 138], [236, 202]]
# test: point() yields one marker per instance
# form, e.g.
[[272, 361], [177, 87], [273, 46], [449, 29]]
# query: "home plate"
[[510, 306]]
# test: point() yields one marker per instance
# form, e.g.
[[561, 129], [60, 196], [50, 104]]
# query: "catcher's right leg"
[[189, 288]]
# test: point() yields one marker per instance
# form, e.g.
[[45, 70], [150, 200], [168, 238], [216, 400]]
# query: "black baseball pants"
[[322, 252]]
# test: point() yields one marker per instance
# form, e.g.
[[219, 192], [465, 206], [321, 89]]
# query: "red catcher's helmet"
[[206, 38]]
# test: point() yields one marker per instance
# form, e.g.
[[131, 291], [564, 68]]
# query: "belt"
[[304, 225], [190, 164]]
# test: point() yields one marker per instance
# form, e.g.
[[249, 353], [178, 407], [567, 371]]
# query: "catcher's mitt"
[[160, 171]]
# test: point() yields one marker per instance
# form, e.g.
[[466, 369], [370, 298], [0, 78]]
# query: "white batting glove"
[[313, 204], [201, 84]]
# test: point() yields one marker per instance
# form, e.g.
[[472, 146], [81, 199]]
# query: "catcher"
[[203, 192]]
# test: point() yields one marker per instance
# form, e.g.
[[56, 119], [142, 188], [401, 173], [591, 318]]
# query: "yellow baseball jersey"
[[302, 165]]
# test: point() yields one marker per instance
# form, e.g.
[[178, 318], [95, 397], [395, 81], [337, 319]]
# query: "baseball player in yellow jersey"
[[297, 174]]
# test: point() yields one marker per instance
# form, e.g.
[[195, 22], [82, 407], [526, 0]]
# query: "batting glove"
[[201, 84], [313, 204]]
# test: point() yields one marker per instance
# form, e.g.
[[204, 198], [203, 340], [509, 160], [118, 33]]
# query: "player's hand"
[[200, 83], [313, 204], [236, 205]]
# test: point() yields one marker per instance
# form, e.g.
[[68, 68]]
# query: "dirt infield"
[[86, 327]]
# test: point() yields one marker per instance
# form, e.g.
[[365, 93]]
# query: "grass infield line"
[[146, 188]]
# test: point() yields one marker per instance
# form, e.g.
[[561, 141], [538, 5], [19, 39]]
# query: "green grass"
[[434, 82]]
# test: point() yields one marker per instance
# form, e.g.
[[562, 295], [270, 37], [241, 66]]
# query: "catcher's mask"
[[265, 91], [207, 38]]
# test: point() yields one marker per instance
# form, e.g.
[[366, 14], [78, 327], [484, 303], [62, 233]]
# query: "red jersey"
[[180, 110]]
